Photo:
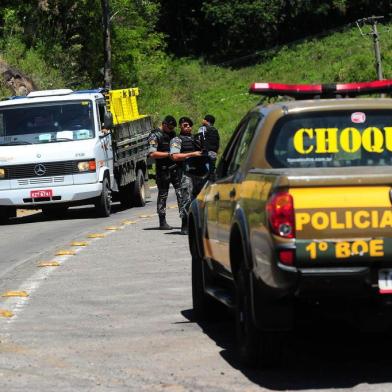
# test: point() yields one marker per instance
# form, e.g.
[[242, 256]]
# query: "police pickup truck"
[[300, 213], [60, 148]]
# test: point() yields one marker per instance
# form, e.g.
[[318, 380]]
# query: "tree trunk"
[[107, 44]]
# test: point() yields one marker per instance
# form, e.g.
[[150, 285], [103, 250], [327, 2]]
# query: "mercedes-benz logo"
[[39, 169]]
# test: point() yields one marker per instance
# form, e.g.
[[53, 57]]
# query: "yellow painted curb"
[[113, 228], [64, 252], [6, 313], [15, 294], [49, 264], [96, 235], [79, 243]]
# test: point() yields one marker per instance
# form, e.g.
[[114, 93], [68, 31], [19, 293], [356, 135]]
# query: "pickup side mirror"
[[108, 121]]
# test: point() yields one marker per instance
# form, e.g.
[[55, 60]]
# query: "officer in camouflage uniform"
[[181, 148], [166, 170]]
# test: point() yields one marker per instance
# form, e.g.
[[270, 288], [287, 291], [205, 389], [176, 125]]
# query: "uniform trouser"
[[190, 187], [163, 179]]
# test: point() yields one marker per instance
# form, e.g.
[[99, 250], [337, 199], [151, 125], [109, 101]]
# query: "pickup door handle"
[[232, 193], [216, 196]]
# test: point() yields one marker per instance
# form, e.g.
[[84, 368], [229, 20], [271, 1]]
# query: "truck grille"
[[41, 170]]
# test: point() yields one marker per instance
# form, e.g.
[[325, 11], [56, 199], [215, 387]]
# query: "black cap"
[[185, 120], [170, 120], [210, 118]]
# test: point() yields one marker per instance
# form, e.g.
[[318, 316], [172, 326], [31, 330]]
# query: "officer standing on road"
[[166, 170], [181, 148]]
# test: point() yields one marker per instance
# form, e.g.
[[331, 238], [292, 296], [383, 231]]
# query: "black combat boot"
[[163, 225], [184, 225]]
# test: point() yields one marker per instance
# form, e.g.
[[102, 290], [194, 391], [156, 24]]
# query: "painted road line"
[[96, 235], [79, 243], [112, 228], [15, 294], [65, 252], [128, 222], [49, 264], [6, 313]]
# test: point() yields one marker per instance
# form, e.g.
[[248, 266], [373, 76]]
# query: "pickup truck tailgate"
[[336, 225]]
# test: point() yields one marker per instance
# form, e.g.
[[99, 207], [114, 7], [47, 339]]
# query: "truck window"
[[243, 143], [47, 122], [332, 139]]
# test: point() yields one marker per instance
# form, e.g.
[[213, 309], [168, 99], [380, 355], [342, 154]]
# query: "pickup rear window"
[[332, 139]]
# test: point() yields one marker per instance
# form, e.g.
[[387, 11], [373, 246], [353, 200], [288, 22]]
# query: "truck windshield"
[[332, 139], [46, 122]]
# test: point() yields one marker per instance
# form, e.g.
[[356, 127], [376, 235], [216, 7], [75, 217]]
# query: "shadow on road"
[[82, 212], [325, 357]]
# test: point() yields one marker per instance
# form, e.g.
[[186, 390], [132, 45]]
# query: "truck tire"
[[125, 196], [139, 191], [204, 306], [104, 201], [6, 213], [256, 348], [248, 337]]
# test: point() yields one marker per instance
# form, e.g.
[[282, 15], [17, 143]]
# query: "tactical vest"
[[187, 144], [163, 146], [211, 139]]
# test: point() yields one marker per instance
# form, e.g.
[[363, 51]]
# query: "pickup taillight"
[[280, 212]]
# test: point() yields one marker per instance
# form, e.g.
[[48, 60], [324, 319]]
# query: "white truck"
[[60, 148]]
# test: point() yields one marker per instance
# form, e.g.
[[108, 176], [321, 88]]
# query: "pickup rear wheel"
[[255, 347], [248, 337], [139, 190], [104, 201]]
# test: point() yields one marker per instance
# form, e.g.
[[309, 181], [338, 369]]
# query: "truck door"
[[106, 146], [229, 187]]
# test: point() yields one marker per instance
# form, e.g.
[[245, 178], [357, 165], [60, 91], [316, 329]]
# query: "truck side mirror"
[[108, 120]]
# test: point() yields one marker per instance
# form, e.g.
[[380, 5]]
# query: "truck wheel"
[[139, 191], [125, 196], [255, 347], [6, 213], [103, 202], [248, 337], [204, 306]]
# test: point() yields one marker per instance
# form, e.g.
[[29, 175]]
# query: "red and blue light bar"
[[303, 91]]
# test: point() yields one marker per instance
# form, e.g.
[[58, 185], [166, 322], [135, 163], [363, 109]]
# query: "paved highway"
[[116, 316]]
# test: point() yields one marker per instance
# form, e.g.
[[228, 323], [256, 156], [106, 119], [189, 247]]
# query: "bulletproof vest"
[[211, 139], [187, 143], [163, 146]]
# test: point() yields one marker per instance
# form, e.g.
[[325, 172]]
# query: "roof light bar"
[[274, 89], [321, 90]]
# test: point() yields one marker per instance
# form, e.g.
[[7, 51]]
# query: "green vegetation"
[[193, 88], [58, 48]]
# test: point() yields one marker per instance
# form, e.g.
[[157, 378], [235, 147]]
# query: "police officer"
[[166, 170], [181, 148]]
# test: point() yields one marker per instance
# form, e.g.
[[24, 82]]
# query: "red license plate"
[[41, 193]]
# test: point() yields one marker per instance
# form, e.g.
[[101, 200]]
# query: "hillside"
[[194, 88], [191, 87]]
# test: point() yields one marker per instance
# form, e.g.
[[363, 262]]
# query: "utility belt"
[[170, 167]]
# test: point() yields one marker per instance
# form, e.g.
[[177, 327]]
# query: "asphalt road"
[[116, 316]]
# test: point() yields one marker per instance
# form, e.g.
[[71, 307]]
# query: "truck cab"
[[57, 149]]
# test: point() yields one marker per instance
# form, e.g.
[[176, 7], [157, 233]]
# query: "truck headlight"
[[85, 166], [2, 173]]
